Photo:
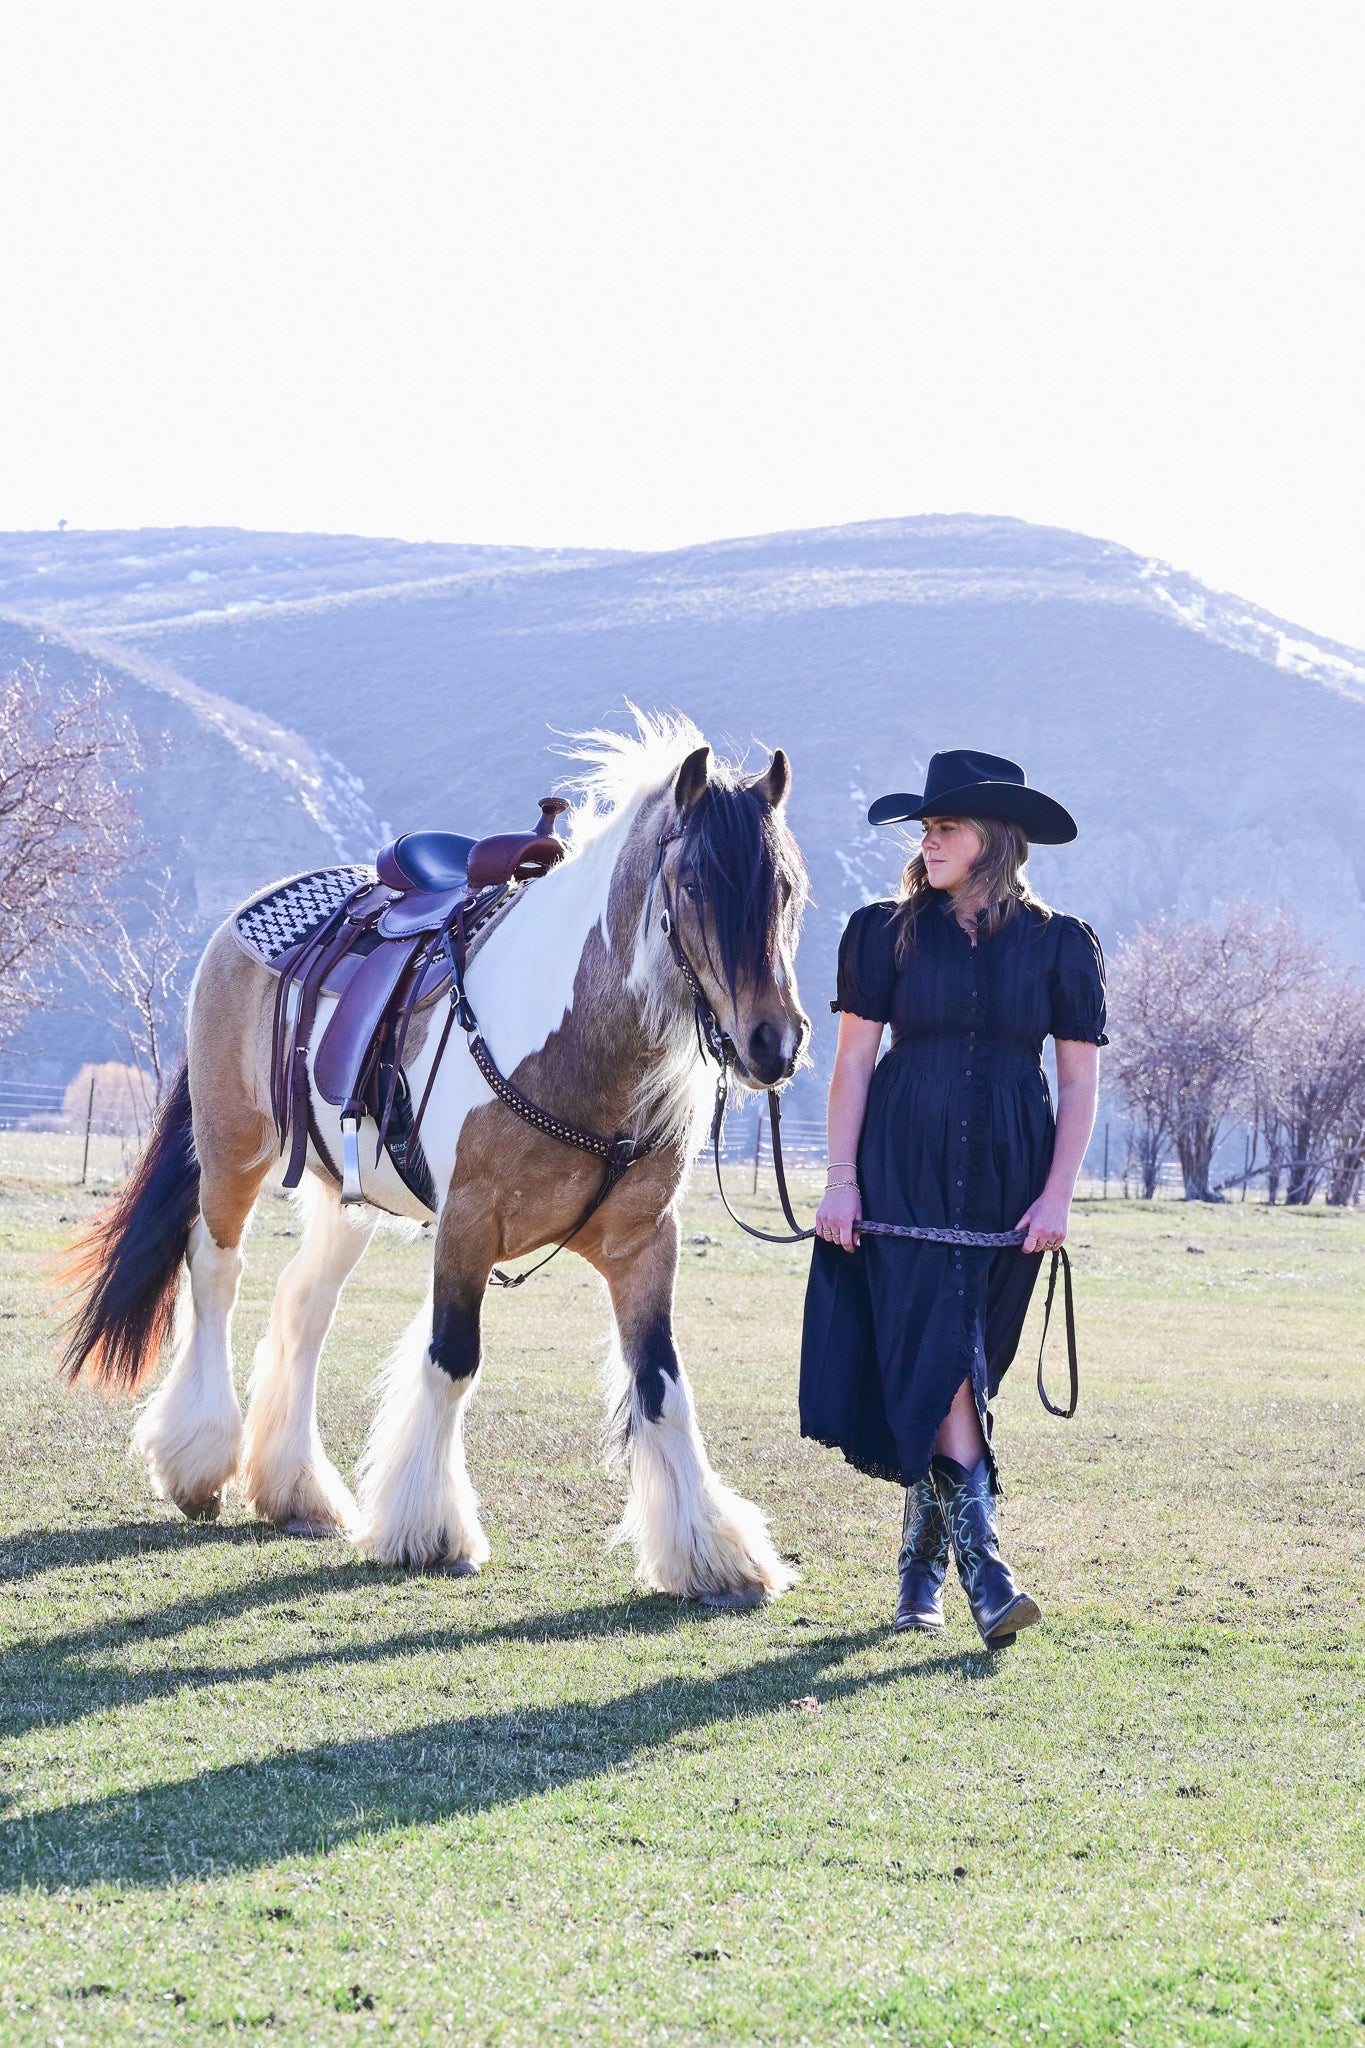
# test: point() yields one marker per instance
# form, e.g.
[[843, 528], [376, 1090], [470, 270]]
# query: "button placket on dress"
[[972, 1133]]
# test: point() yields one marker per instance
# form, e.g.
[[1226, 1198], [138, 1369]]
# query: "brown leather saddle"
[[395, 943]]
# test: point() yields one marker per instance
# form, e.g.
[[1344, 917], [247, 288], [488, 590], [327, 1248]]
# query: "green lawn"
[[253, 1787]]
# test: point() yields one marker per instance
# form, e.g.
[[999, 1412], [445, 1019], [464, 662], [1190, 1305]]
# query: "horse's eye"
[[691, 892]]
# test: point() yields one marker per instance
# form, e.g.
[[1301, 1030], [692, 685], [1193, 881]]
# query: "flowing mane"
[[621, 771]]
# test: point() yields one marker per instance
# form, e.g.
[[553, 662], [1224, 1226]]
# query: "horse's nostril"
[[765, 1048]]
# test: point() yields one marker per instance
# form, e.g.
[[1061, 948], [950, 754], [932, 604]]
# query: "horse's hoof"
[[460, 1568], [206, 1509], [306, 1526], [736, 1600]]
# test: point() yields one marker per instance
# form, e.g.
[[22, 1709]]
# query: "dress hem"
[[872, 1467]]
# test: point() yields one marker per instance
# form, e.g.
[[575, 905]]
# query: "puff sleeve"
[[867, 963], [1078, 986]]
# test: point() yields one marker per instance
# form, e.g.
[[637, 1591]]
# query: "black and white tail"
[[125, 1269]]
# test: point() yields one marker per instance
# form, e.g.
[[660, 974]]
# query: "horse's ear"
[[776, 783], [692, 779]]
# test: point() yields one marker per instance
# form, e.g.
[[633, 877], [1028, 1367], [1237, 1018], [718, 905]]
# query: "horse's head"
[[737, 887]]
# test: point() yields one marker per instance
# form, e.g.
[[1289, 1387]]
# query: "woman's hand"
[[837, 1214], [1046, 1222], [1078, 1072]]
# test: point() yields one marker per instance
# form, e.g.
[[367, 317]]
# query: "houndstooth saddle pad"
[[272, 924]]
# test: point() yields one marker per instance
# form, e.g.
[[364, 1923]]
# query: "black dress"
[[958, 1131]]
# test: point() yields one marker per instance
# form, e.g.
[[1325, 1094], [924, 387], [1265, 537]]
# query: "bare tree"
[[1347, 1170], [1310, 1081], [1191, 998], [1139, 1007], [138, 959], [67, 828]]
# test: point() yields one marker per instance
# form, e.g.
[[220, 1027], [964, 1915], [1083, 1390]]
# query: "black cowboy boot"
[[998, 1607], [923, 1560]]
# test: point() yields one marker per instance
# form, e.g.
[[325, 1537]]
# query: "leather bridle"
[[715, 1043]]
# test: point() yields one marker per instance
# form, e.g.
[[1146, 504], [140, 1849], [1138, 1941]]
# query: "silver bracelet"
[[830, 1185]]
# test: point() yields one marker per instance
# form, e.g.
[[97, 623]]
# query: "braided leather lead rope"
[[927, 1234]]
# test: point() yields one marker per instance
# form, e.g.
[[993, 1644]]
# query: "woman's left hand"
[[1046, 1222]]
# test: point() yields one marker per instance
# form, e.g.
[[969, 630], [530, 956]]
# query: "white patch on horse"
[[693, 1536], [286, 1474], [520, 986], [417, 1505]]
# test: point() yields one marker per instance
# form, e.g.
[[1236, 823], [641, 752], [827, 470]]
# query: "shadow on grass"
[[51, 1682], [28, 1552], [301, 1802]]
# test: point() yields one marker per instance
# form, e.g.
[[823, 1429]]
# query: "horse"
[[589, 993]]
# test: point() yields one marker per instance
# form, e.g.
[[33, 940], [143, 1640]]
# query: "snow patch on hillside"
[[332, 795]]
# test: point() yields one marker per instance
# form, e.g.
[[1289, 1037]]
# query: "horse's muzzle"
[[768, 1059]]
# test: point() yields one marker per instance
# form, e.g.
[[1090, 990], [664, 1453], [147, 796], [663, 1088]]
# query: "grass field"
[[252, 1787]]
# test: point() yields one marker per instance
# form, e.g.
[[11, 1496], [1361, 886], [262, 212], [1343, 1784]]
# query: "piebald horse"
[[583, 1003]]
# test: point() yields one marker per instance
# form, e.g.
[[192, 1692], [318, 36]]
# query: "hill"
[[307, 693]]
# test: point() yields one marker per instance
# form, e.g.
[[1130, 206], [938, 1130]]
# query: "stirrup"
[[351, 1190]]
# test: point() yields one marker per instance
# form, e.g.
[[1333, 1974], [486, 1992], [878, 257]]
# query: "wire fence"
[[749, 1135], [26, 1104], [91, 1130], [86, 1131]]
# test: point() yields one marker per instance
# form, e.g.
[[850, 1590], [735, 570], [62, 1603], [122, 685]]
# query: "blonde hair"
[[996, 879]]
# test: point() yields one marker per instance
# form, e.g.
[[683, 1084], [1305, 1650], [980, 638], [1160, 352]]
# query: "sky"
[[640, 275]]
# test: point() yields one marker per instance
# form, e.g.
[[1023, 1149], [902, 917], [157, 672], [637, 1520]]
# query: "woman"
[[906, 1341]]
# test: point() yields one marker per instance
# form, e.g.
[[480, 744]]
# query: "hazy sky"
[[650, 273]]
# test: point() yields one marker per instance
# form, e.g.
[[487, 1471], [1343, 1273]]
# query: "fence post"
[[758, 1144], [1106, 1162], [89, 1118], [1246, 1171]]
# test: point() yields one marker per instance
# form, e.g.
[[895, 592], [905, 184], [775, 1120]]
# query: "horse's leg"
[[693, 1537], [190, 1432], [417, 1506], [286, 1474]]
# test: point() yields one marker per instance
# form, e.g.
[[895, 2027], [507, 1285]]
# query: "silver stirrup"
[[351, 1190]]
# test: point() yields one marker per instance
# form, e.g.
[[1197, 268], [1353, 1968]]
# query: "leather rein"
[[713, 1042]]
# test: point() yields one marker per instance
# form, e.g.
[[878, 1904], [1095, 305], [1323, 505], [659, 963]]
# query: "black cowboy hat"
[[963, 785]]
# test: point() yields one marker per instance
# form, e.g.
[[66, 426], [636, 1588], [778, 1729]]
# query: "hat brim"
[[1042, 820]]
